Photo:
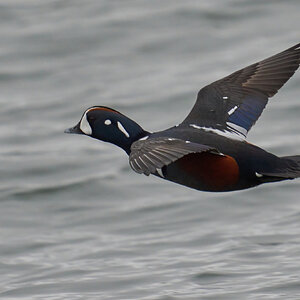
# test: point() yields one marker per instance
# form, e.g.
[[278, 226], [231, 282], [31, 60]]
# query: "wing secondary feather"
[[147, 156]]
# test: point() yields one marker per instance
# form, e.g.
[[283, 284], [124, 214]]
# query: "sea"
[[75, 221]]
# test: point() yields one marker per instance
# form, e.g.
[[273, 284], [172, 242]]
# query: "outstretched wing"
[[148, 156], [234, 103]]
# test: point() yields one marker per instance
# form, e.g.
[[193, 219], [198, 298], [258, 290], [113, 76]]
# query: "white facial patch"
[[122, 129], [107, 122], [84, 125]]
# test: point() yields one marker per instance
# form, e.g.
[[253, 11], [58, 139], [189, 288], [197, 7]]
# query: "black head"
[[108, 125]]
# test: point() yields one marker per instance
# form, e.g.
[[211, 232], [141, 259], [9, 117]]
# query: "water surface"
[[75, 221]]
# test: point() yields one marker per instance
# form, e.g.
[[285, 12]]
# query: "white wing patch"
[[237, 129], [232, 110]]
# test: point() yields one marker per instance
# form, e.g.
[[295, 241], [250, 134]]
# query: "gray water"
[[75, 221]]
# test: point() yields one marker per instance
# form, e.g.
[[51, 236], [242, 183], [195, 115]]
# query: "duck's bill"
[[75, 130]]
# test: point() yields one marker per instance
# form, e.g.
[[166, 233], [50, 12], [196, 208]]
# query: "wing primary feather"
[[248, 88]]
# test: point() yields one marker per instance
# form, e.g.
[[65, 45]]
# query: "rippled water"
[[75, 221]]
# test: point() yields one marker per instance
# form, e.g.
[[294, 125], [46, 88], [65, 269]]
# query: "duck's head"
[[108, 125]]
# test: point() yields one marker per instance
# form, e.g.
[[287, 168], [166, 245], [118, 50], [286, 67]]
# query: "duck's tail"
[[289, 168], [293, 165]]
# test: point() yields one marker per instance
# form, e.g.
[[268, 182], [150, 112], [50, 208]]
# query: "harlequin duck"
[[207, 151]]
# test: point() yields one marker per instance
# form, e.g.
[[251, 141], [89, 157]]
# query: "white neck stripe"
[[122, 129]]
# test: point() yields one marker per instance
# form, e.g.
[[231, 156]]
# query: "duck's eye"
[[107, 122]]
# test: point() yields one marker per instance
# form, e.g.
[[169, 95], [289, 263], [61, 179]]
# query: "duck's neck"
[[136, 136], [131, 132]]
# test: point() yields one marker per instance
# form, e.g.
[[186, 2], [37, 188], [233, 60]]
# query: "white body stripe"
[[160, 173], [144, 138], [232, 135]]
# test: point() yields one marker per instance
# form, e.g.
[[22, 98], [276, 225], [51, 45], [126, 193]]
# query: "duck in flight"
[[208, 150]]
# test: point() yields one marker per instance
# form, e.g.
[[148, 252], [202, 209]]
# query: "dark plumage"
[[207, 151]]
